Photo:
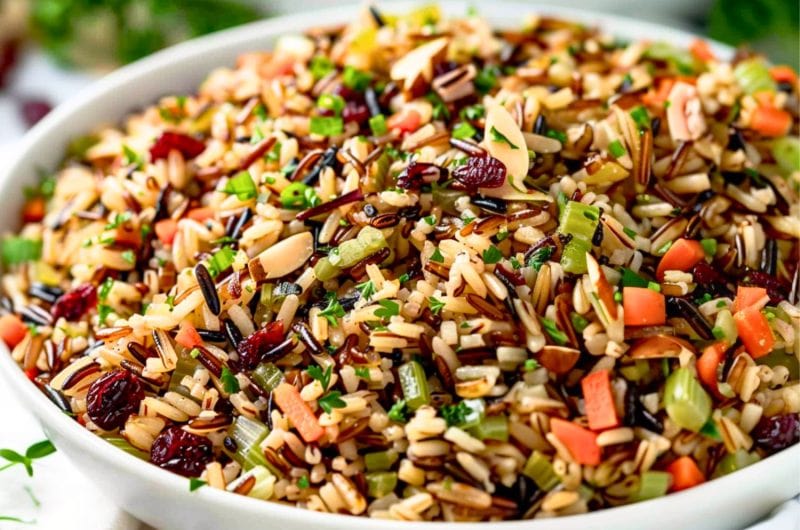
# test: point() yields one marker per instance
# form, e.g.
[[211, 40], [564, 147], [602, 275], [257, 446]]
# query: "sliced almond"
[[558, 359], [417, 65], [659, 346], [282, 258]]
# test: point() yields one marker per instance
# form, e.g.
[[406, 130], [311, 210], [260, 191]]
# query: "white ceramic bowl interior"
[[163, 499]]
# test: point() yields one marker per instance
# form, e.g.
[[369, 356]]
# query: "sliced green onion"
[[680, 58], [685, 400], [653, 484], [414, 383], [121, 443], [492, 428], [463, 131], [381, 483], [356, 79], [242, 186], [327, 125], [320, 66], [298, 196], [616, 149], [709, 246], [378, 125], [380, 461], [540, 470], [331, 102], [220, 261], [734, 462], [18, 250], [267, 376], [641, 117], [753, 76]]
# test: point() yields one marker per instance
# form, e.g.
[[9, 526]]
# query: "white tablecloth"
[[66, 500]]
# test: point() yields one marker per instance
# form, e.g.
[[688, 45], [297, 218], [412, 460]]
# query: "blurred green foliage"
[[771, 26], [109, 32]]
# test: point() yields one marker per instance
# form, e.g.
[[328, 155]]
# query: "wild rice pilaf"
[[418, 269]]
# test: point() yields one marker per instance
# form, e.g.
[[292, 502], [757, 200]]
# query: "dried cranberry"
[[481, 172], [710, 279], [8, 58], [73, 304], [252, 349], [345, 92], [776, 288], [443, 67], [418, 173], [34, 110], [188, 146], [355, 112], [181, 452], [113, 398], [777, 432]]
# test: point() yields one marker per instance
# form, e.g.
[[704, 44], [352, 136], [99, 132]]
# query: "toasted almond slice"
[[282, 258], [418, 63]]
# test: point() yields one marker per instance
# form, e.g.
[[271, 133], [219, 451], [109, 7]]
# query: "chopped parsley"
[[499, 137], [356, 79], [558, 336], [492, 255], [398, 412], [367, 289], [242, 186], [333, 311], [331, 400], [616, 149], [455, 414], [229, 382], [118, 220], [435, 304], [463, 130], [324, 377], [540, 257], [388, 309], [437, 256], [34, 452], [362, 372], [303, 483], [195, 484]]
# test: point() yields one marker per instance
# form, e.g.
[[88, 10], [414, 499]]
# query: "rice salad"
[[418, 268]]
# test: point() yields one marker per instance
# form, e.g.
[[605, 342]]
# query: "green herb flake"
[[630, 233], [242, 186], [377, 125], [327, 125], [579, 322], [320, 66], [654, 286], [641, 117], [362, 372], [220, 261], [473, 112], [616, 149], [388, 309], [486, 79], [128, 256], [118, 220], [435, 305], [558, 135], [229, 382], [531, 365], [195, 484], [303, 482], [331, 400], [558, 336], [492, 255], [131, 157], [332, 311], [499, 137], [437, 256], [356, 79], [367, 289], [463, 131], [398, 412], [455, 414], [540, 257], [323, 376]]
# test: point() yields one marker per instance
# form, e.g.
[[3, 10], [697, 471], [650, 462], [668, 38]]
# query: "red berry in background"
[[9, 51], [252, 349], [777, 432], [34, 110], [112, 398], [481, 172], [73, 304], [181, 452], [356, 112], [186, 145]]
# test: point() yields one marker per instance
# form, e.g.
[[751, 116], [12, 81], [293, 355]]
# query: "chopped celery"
[[248, 435], [369, 241], [636, 371], [185, 366], [540, 470], [267, 376], [686, 402], [652, 484], [734, 462], [121, 443], [380, 461], [725, 323], [786, 152], [580, 221], [381, 483], [414, 384], [781, 357], [753, 76], [680, 58], [324, 270], [492, 428]]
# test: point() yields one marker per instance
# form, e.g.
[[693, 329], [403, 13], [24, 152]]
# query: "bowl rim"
[[52, 418]]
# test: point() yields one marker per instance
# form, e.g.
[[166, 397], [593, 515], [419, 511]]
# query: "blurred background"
[[51, 48]]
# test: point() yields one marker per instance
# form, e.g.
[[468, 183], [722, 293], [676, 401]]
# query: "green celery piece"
[[324, 270], [415, 384], [185, 366], [492, 428], [540, 470], [267, 376], [381, 483], [380, 461], [248, 435], [652, 484], [580, 221], [686, 402], [573, 257], [734, 462]]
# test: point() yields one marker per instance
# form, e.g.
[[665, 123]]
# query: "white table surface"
[[67, 500]]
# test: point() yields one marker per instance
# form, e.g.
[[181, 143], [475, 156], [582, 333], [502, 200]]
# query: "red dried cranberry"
[[181, 452], [188, 146], [34, 110], [707, 277], [8, 58], [776, 289], [355, 112], [252, 349], [346, 93], [113, 398], [418, 173], [73, 304], [481, 172], [777, 432]]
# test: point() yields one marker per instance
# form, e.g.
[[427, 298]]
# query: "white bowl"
[[162, 499]]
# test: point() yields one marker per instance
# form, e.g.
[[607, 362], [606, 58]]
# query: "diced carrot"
[[12, 330], [187, 336], [681, 256], [128, 236], [277, 66], [770, 121], [753, 328], [657, 98], [643, 307], [783, 74], [747, 296], [765, 98], [405, 121], [166, 230], [701, 50], [201, 214], [685, 474], [288, 399], [581, 443], [599, 401], [33, 211], [708, 363]]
